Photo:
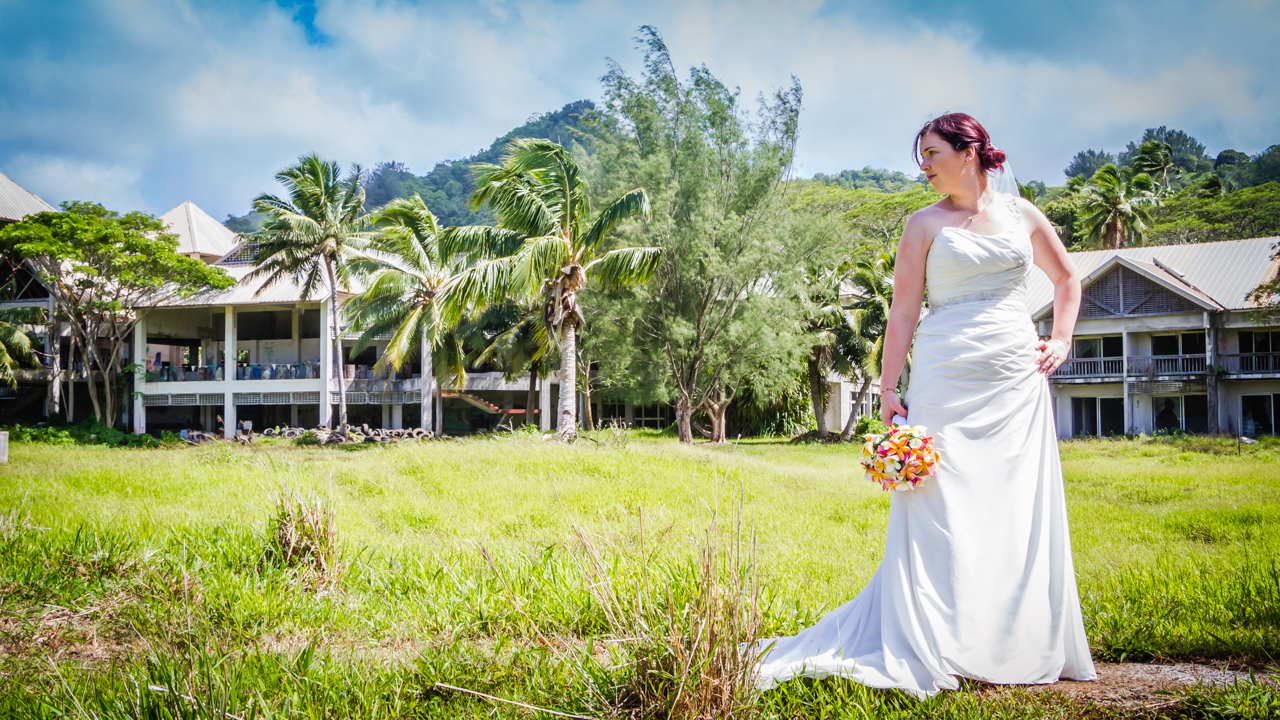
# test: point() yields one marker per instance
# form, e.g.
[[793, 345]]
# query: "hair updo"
[[962, 131]]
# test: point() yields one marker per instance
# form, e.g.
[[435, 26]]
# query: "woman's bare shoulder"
[[926, 222]]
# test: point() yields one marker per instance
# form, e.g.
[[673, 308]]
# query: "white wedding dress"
[[977, 578]]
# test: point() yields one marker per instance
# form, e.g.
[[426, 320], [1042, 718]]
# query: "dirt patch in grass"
[[1136, 686]]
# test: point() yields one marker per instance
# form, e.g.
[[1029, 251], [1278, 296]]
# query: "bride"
[[977, 578]]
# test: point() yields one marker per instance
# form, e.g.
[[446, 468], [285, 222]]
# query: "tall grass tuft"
[[303, 532], [690, 644]]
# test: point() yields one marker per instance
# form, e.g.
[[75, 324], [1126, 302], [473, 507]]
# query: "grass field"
[[146, 583]]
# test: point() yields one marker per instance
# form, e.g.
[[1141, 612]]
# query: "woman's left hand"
[[1052, 354]]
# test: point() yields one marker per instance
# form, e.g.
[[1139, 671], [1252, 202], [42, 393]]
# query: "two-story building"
[[1166, 340]]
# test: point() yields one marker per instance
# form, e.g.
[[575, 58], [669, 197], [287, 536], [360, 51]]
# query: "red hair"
[[961, 132]]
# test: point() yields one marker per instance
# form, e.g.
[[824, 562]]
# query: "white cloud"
[[165, 102], [114, 186]]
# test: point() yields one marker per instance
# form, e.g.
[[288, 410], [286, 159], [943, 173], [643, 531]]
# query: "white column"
[[397, 417], [544, 405], [1124, 379], [139, 353], [229, 373], [293, 416], [326, 364]]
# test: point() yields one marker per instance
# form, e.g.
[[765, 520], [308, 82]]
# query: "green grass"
[[154, 570]]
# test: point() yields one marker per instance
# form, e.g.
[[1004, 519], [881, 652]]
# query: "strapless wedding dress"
[[977, 578]]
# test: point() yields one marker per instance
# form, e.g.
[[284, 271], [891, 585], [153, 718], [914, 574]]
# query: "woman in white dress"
[[977, 579]]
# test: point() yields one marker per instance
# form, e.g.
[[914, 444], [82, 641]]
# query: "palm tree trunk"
[[337, 348], [532, 399], [815, 390], [847, 435], [567, 429], [428, 404]]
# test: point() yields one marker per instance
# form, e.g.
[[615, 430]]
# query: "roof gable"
[[198, 233], [1123, 287], [1221, 272], [16, 202]]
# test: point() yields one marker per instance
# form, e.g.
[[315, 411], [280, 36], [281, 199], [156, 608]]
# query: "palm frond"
[[626, 266]]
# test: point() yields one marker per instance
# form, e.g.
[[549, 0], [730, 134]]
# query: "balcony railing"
[[253, 371], [1091, 367], [1250, 362], [1168, 365], [1139, 366]]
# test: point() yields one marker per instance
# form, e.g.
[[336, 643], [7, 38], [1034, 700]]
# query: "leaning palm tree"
[[1117, 201], [404, 273], [546, 246], [311, 237]]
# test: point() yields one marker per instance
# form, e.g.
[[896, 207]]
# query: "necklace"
[[952, 202]]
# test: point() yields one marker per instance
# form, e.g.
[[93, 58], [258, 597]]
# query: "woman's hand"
[[890, 405], [1052, 354]]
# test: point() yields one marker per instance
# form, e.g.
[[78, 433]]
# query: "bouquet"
[[900, 458]]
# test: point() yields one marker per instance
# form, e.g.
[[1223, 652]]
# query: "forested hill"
[[447, 187]]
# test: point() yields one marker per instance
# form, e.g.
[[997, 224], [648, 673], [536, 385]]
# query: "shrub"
[[303, 532]]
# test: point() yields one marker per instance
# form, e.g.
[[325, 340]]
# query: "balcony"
[[1168, 365], [1091, 368], [255, 371], [1113, 368], [1267, 364]]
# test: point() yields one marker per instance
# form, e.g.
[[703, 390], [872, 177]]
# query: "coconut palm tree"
[[1116, 201], [311, 237], [1155, 158], [404, 271], [546, 246], [863, 343], [521, 348]]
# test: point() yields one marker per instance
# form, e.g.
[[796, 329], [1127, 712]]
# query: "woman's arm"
[[904, 313], [1051, 257]]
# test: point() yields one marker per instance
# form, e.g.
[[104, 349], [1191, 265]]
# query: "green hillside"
[[447, 187]]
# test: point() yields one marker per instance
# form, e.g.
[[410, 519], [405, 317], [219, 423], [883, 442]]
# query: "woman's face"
[[944, 166]]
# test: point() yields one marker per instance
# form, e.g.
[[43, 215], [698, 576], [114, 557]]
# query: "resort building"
[[1166, 341]]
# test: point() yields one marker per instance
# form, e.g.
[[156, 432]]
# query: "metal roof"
[[16, 202], [1223, 272], [245, 292], [197, 232]]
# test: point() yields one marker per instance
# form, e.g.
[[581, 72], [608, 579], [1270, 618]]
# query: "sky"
[[144, 104]]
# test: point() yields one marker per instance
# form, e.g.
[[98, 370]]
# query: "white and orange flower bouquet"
[[900, 458]]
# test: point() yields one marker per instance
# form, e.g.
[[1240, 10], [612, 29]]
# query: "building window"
[[613, 411], [1184, 344], [1257, 414], [1097, 416], [1195, 413], [654, 416], [1166, 413], [1099, 347]]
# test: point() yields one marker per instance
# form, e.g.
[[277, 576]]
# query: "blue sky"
[[142, 104]]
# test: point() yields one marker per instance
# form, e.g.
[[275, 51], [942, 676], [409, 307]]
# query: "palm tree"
[[311, 237], [1155, 159], [404, 272], [863, 343], [823, 318], [1117, 201], [521, 348], [546, 246], [15, 342]]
